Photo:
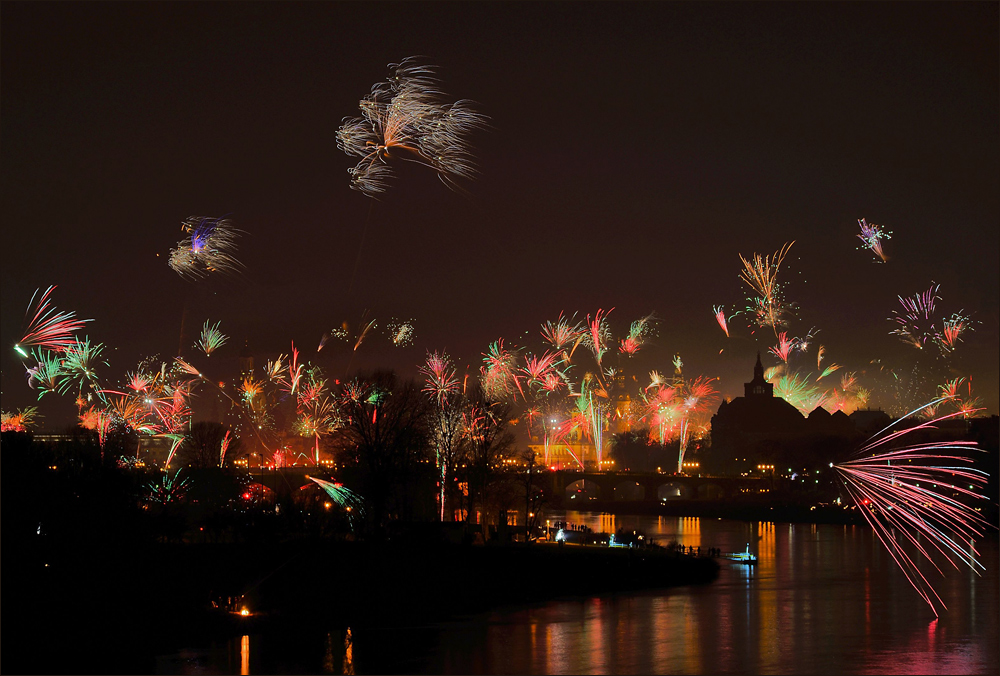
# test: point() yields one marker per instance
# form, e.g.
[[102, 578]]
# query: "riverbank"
[[112, 609], [774, 510]]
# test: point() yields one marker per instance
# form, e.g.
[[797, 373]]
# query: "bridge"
[[578, 486], [651, 487]]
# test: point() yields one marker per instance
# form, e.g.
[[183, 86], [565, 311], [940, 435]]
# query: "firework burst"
[[638, 334], [498, 374], [918, 499], [47, 328], [720, 316], [441, 380], [19, 421], [783, 348], [211, 338], [208, 248], [400, 332], [340, 333], [760, 273], [872, 236], [916, 320], [352, 503], [406, 117]]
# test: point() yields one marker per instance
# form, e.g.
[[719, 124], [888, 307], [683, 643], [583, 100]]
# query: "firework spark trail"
[[363, 333], [209, 248], [46, 373], [827, 371], [660, 409], [915, 498], [223, 447], [802, 344], [317, 412], [560, 436], [276, 371], [78, 367], [761, 275], [963, 405], [441, 377], [211, 338], [541, 371], [446, 420], [655, 380], [339, 333], [498, 374], [563, 333], [872, 236], [916, 323], [800, 393], [406, 117], [400, 332], [19, 421], [167, 489], [48, 328], [638, 333], [286, 377], [698, 398], [98, 420], [952, 329], [598, 334], [720, 316], [783, 348], [352, 503]]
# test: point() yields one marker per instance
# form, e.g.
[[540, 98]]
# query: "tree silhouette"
[[202, 446], [489, 442], [386, 439]]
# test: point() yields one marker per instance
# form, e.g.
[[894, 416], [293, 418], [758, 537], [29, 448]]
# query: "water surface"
[[823, 599]]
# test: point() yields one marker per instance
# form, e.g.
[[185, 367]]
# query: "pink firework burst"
[[783, 348], [720, 316], [48, 328], [872, 236], [441, 380], [919, 499]]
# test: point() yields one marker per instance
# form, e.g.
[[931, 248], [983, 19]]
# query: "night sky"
[[635, 150]]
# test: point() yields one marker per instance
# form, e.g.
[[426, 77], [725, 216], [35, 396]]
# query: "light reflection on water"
[[244, 656], [823, 600]]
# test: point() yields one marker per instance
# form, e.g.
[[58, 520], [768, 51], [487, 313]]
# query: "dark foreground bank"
[[111, 610]]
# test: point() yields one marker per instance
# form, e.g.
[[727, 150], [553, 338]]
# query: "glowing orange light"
[[244, 612]]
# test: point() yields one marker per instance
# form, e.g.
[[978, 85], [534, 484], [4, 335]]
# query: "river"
[[823, 599]]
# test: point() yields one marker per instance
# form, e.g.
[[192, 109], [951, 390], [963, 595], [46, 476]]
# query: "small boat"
[[746, 557]]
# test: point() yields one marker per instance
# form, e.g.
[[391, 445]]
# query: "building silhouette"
[[762, 429]]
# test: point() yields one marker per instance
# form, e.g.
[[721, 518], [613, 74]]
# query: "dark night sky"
[[635, 151]]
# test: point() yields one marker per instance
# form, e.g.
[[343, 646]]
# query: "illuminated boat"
[[746, 557]]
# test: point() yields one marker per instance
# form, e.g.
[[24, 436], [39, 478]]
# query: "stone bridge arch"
[[583, 490], [710, 491], [629, 489], [674, 490]]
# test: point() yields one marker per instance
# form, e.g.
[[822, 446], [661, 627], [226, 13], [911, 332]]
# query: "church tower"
[[758, 387]]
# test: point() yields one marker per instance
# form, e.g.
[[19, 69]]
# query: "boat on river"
[[747, 557]]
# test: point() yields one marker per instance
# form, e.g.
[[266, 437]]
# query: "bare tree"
[[489, 442], [202, 447], [533, 496], [386, 439], [447, 430]]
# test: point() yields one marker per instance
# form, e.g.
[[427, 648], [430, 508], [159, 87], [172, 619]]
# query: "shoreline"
[[775, 510], [138, 602]]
